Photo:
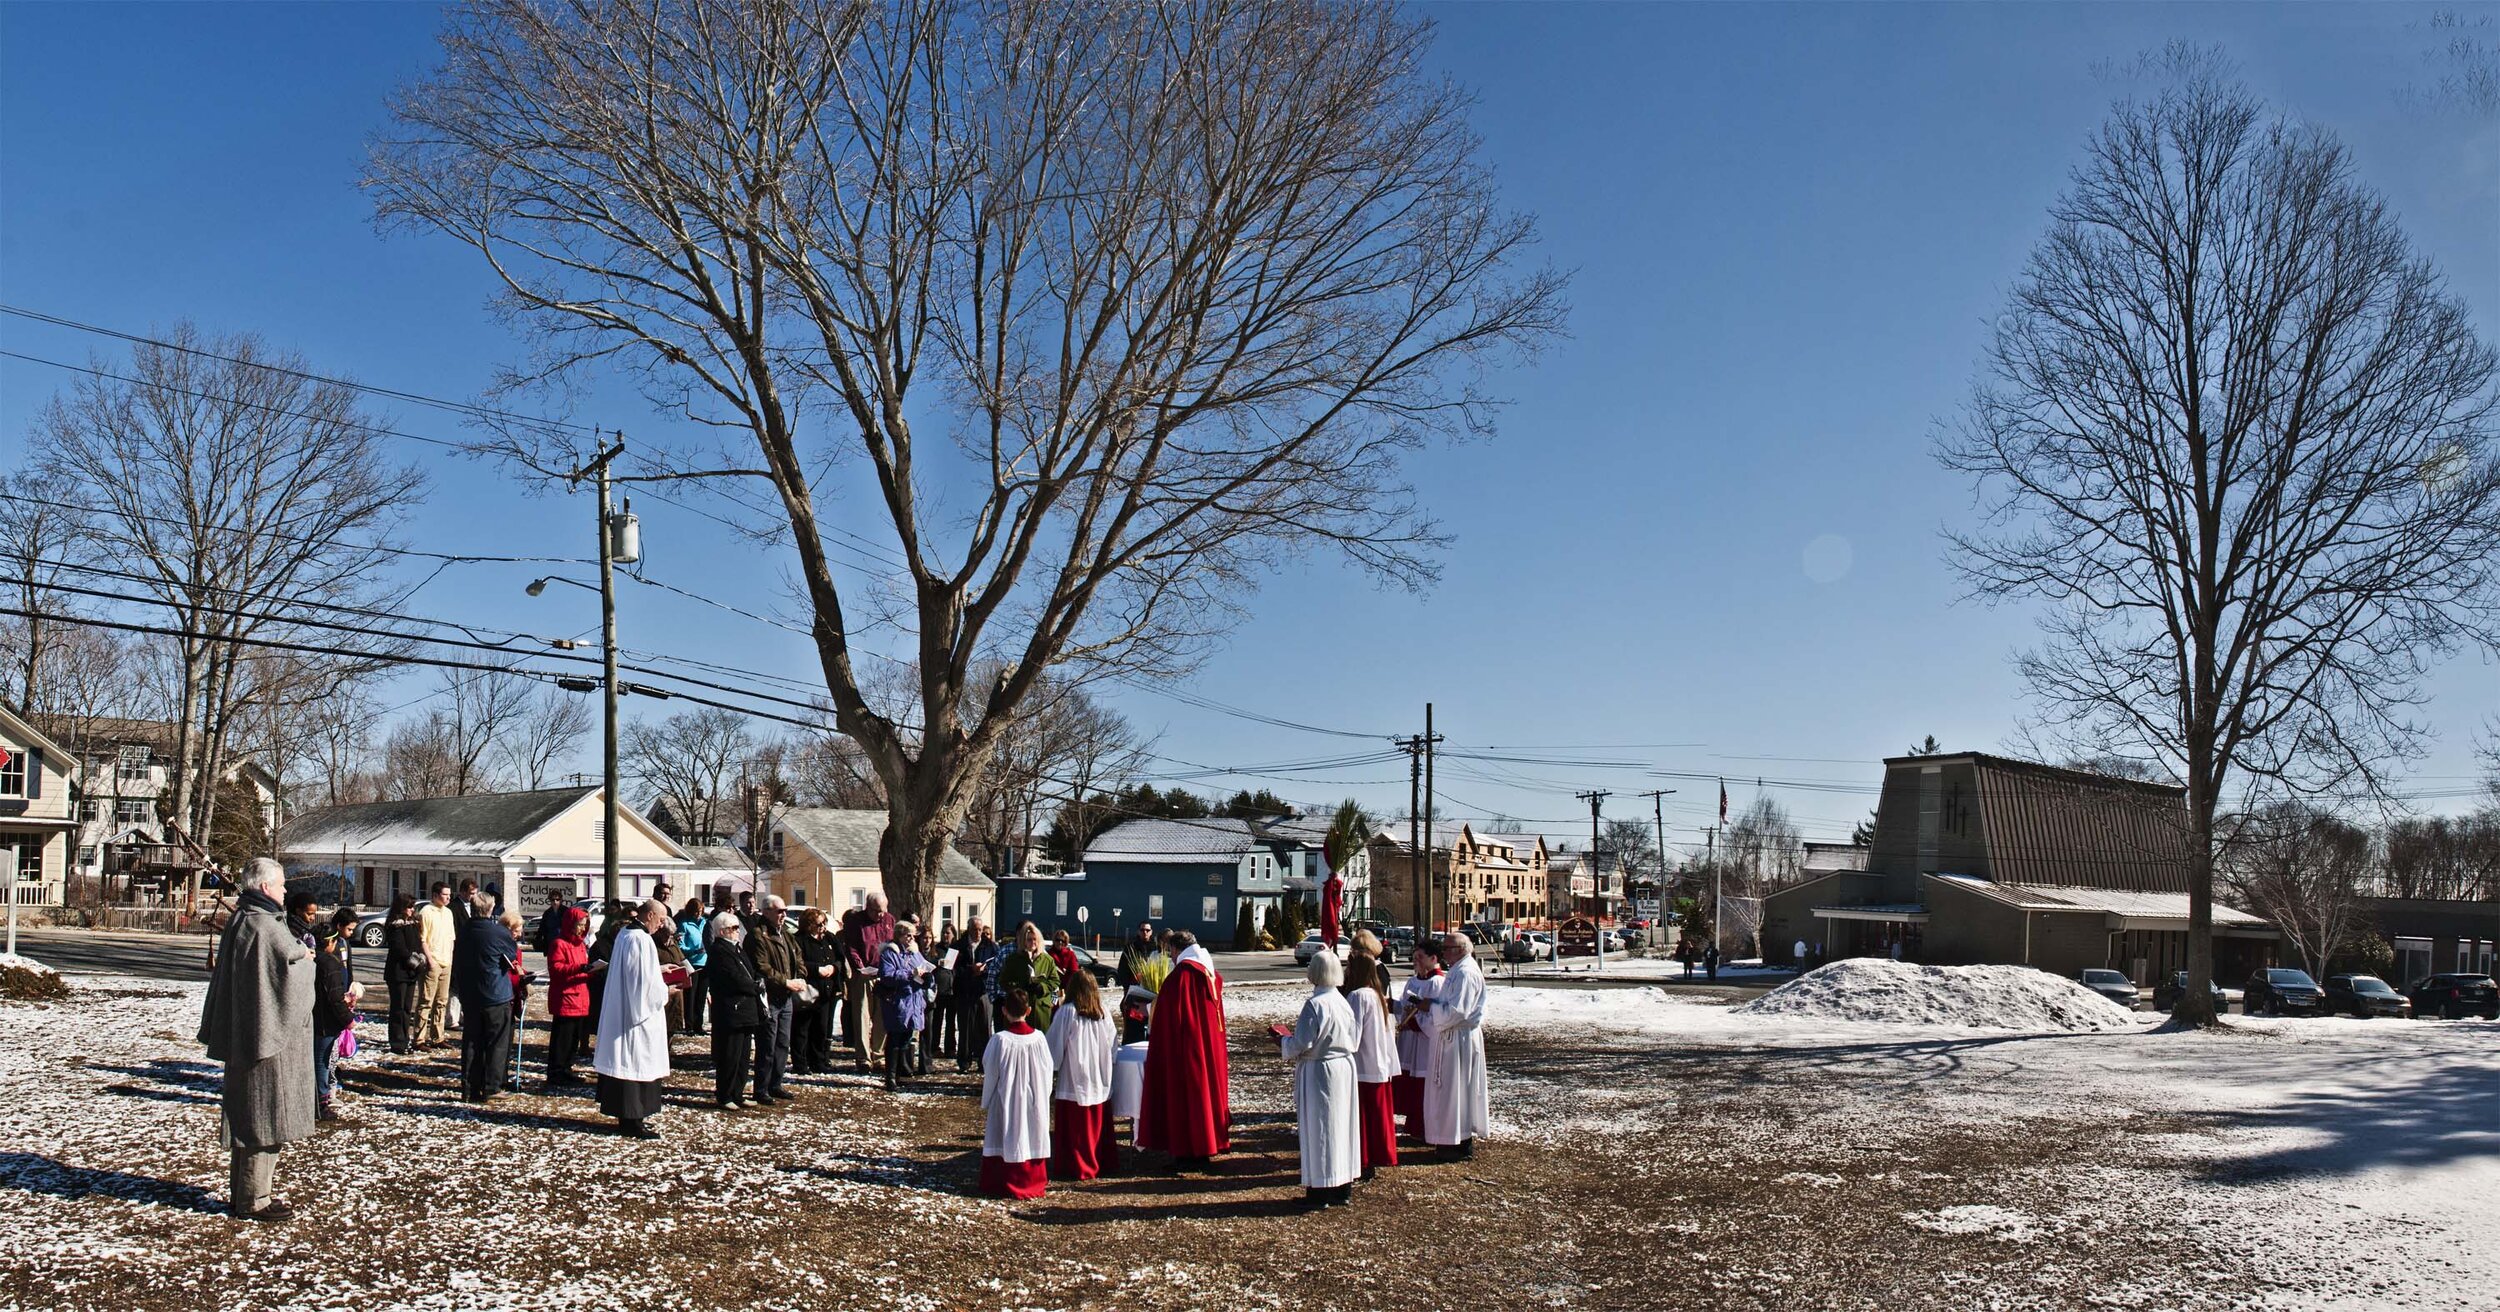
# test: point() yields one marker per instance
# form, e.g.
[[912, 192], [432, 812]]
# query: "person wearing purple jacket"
[[864, 940], [902, 1000]]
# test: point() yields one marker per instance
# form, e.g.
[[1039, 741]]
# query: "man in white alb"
[[1455, 1102]]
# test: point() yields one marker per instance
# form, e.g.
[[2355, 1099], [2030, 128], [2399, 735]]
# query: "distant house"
[[1983, 859], [1300, 844], [1177, 874], [2437, 935], [1489, 878], [824, 856], [36, 823], [387, 848], [126, 777]]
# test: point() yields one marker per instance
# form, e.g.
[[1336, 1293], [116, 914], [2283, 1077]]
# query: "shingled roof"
[[479, 825], [847, 839]]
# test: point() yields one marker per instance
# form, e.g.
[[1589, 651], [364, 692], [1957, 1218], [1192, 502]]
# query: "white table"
[[1128, 1083]]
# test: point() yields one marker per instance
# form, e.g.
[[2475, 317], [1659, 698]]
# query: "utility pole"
[[619, 541], [1597, 887], [1429, 739], [1658, 885], [1414, 747]]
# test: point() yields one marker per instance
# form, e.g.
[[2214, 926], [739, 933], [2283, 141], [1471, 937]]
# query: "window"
[[1215, 879], [798, 896], [859, 897], [12, 772], [1062, 908], [1028, 901], [1154, 906], [130, 811], [132, 767], [1206, 909], [91, 810], [86, 855]]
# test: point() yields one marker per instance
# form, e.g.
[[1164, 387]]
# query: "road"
[[185, 957]]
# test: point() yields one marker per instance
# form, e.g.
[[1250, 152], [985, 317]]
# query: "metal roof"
[[2064, 828], [1173, 842], [2122, 904]]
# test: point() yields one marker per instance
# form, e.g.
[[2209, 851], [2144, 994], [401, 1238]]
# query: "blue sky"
[[1707, 533]]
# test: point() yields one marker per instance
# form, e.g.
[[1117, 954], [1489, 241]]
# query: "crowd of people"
[[1027, 1016]]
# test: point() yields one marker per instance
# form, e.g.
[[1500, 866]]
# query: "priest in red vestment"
[[1331, 904], [1186, 1106]]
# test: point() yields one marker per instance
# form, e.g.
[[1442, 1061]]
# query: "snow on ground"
[[1977, 997], [15, 961]]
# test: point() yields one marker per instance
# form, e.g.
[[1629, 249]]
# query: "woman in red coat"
[[568, 996]]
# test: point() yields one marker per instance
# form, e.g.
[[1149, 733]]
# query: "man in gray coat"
[[258, 1021]]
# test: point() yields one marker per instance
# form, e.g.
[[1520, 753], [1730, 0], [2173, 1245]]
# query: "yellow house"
[[824, 856], [499, 839], [36, 819]]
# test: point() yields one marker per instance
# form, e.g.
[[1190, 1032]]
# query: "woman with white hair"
[[1321, 1049], [633, 1026], [737, 1009]]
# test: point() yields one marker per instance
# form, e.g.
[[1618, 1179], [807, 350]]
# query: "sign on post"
[[539, 892]]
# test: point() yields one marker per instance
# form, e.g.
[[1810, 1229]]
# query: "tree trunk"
[[2196, 1004]]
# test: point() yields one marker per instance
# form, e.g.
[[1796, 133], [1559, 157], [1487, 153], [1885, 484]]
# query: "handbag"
[[347, 1043]]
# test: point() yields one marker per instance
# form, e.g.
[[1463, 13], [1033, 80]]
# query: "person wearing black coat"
[[737, 994], [334, 1009], [403, 969], [812, 1023]]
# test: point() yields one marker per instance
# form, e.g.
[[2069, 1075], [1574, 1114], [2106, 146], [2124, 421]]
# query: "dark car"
[[2111, 984], [1103, 975], [2364, 996], [2283, 991], [1397, 943], [2456, 996], [2167, 995]]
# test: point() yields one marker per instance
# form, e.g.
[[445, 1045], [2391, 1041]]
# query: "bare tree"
[[1107, 305], [2449, 858], [451, 750], [1061, 746], [2305, 872], [554, 724], [2237, 431], [694, 763], [238, 488], [40, 532]]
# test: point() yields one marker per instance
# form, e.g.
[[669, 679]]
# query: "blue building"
[[1177, 874]]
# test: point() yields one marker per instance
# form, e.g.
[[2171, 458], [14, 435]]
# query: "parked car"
[[369, 928], [2166, 997], [2455, 996], [1103, 975], [1309, 947], [2280, 991], [2111, 984], [2365, 996], [1397, 942], [1477, 932]]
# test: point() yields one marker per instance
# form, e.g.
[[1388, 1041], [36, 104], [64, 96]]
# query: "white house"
[[36, 822], [827, 857], [386, 848]]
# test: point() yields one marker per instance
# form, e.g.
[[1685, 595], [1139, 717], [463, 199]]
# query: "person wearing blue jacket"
[[693, 940], [483, 959]]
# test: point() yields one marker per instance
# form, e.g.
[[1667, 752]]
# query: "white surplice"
[[1082, 1049], [633, 1013], [1015, 1094], [1415, 1045], [1375, 1053], [1456, 1108], [1321, 1049]]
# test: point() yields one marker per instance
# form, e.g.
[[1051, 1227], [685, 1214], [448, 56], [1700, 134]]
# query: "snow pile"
[[1974, 997], [28, 980]]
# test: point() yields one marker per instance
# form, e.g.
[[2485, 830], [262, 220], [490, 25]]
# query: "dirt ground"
[[1632, 1172]]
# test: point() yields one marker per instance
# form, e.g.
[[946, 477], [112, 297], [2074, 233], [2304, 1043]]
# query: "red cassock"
[[1186, 1105], [1001, 1178], [1082, 1145], [1406, 1094], [1331, 910], [1380, 1127]]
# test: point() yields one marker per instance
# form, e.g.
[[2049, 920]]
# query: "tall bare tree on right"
[[2239, 433]]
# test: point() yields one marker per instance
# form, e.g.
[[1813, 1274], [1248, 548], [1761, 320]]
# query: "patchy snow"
[[2005, 1224], [16, 961], [1972, 997]]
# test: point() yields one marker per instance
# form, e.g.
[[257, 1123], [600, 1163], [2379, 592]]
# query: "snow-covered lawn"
[[1651, 1149]]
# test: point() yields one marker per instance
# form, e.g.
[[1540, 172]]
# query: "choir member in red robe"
[[1187, 1108]]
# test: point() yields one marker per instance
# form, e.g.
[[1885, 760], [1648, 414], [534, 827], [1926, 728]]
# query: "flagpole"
[[1718, 882]]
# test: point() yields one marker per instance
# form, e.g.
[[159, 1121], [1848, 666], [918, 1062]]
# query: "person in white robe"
[[1456, 1108], [1414, 1040], [1015, 1102], [1321, 1049], [1375, 1061], [633, 1026], [1083, 1036]]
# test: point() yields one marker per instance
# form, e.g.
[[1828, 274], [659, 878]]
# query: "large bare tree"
[[453, 749], [695, 762], [1092, 309], [2236, 431], [236, 488], [2305, 871], [554, 723], [41, 533]]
